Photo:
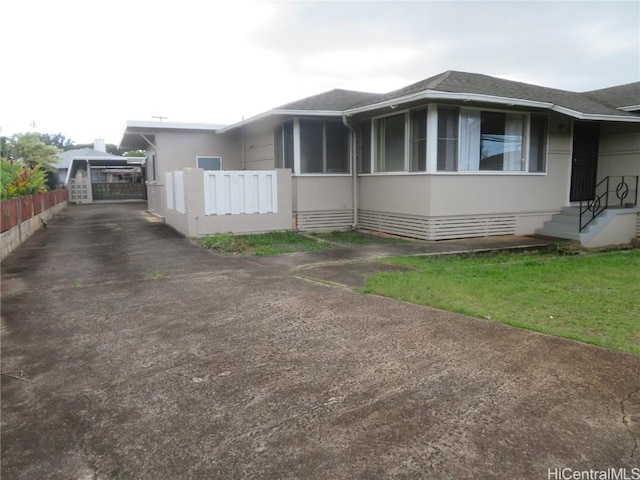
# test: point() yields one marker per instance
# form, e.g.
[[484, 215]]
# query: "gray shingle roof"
[[64, 158], [473, 83], [618, 97], [335, 100]]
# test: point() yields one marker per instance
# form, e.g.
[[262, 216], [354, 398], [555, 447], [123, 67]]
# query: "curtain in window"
[[514, 128], [469, 140]]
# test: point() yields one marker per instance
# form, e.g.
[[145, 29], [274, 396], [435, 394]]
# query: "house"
[[93, 174], [456, 155]]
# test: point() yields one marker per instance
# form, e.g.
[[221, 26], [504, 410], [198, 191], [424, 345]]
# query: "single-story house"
[[456, 155], [94, 174]]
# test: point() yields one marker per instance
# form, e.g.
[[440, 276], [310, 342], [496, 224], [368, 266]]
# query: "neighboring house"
[[456, 155], [93, 174]]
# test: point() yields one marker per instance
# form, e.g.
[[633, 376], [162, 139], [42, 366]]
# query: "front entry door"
[[584, 164]]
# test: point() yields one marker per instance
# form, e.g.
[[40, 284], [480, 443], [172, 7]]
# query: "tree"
[[57, 140], [135, 153], [32, 150]]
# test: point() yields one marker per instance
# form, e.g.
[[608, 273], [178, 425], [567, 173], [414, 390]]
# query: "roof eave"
[[595, 116], [277, 111], [475, 97], [439, 95]]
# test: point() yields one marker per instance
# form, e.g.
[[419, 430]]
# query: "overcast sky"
[[83, 68]]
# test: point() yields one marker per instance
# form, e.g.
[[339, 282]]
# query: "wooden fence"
[[16, 210]]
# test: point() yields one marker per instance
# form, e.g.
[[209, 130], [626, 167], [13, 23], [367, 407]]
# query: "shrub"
[[17, 179]]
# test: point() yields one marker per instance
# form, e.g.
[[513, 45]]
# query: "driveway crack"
[[626, 420]]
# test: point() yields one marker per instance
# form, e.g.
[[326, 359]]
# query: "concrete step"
[[568, 219], [561, 226], [547, 232], [572, 211]]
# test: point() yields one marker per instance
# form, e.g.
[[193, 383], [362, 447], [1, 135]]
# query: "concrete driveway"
[[130, 353]]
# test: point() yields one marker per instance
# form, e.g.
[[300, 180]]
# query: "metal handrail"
[[590, 211]]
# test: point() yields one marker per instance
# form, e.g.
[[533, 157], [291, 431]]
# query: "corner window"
[[209, 163], [419, 141], [390, 144], [447, 139], [474, 140], [324, 147], [283, 146]]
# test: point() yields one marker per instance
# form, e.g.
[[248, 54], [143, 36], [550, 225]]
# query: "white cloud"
[[84, 68]]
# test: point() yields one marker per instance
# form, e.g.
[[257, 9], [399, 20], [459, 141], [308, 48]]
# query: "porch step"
[[567, 224]]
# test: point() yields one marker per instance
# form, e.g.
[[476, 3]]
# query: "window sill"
[[482, 174], [320, 175]]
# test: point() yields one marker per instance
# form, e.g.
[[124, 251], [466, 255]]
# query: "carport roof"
[[65, 158], [140, 134]]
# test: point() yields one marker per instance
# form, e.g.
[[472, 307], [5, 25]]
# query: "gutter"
[[278, 111], [354, 171], [476, 97]]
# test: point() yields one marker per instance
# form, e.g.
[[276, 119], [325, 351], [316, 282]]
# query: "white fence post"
[[168, 183], [179, 191]]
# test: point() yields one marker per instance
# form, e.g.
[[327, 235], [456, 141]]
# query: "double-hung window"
[[472, 140]]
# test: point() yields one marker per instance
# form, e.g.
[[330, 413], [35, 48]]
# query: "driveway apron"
[[129, 352]]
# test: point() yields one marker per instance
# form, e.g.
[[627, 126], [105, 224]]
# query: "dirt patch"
[[350, 274]]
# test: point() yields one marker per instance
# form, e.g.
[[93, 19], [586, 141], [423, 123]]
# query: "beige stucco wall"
[[194, 222], [322, 192], [473, 194], [259, 150], [406, 194], [177, 150], [619, 152]]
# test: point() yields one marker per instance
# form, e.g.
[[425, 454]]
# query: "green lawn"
[[594, 298]]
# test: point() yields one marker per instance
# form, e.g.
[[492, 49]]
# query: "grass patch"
[[593, 298], [357, 238], [275, 243]]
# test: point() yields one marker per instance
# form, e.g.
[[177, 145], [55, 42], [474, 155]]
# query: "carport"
[[107, 177]]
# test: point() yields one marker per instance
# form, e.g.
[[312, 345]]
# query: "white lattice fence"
[[240, 192]]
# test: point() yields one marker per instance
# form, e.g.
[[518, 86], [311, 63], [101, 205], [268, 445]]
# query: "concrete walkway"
[[128, 352]]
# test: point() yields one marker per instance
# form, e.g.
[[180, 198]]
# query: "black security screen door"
[[585, 160]]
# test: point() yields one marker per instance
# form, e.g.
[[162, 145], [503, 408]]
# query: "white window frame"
[[525, 145], [297, 151], [407, 141], [198, 157], [432, 143]]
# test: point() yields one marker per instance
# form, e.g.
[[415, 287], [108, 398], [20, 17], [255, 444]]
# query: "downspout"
[[354, 171], [242, 146]]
